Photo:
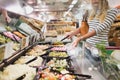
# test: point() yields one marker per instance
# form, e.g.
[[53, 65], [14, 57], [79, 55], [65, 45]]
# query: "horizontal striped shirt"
[[102, 29]]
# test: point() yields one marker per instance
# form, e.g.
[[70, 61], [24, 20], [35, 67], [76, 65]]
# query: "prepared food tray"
[[19, 34], [18, 72], [11, 36], [38, 49], [57, 54], [59, 69], [18, 54], [57, 62], [54, 65], [4, 39], [59, 43], [20, 61], [59, 48], [48, 74], [30, 60]]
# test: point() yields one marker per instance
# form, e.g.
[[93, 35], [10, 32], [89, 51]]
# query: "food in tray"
[[11, 35], [4, 40], [57, 63], [58, 43], [42, 47], [59, 48], [36, 23], [51, 33], [60, 31], [30, 60], [8, 28], [24, 59], [19, 34], [13, 72], [16, 46], [58, 54], [47, 74], [37, 50], [37, 62]]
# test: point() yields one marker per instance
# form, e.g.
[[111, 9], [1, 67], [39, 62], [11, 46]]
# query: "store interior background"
[[46, 10]]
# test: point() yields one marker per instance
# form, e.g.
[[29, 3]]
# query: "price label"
[[24, 42]]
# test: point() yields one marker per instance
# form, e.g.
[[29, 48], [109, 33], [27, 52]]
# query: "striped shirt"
[[102, 29]]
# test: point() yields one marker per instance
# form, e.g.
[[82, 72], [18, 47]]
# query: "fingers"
[[8, 19], [69, 35], [74, 44]]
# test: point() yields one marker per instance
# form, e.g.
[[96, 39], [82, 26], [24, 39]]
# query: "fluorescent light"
[[74, 1], [69, 9], [28, 9], [71, 6]]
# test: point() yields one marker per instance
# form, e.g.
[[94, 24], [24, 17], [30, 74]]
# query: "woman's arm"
[[5, 14], [109, 19], [73, 33], [89, 34]]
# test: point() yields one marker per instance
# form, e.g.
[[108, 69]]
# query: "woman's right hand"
[[69, 35]]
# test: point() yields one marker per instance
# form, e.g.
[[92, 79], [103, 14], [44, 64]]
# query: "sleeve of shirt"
[[110, 18]]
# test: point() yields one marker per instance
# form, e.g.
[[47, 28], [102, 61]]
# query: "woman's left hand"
[[76, 42]]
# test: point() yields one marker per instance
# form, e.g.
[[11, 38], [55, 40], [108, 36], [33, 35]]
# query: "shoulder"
[[113, 10]]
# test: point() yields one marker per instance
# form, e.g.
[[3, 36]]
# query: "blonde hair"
[[103, 6]]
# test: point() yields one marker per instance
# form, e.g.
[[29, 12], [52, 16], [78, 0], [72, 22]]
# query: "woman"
[[99, 20]]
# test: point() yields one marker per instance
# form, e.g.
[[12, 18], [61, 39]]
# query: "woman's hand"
[[76, 42], [6, 16], [69, 35], [8, 19]]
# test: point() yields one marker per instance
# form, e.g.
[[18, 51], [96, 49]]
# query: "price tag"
[[24, 42], [2, 52]]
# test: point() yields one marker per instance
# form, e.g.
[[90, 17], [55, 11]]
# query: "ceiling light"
[[64, 0], [69, 9], [39, 1], [71, 6], [30, 2], [74, 1], [28, 9]]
